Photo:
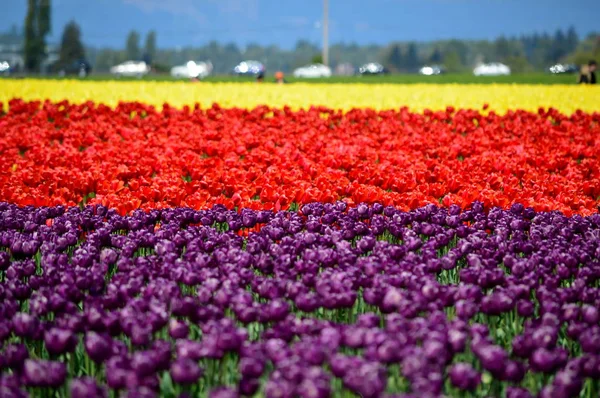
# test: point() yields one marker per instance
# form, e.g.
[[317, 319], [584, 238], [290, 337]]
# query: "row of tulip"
[[327, 301], [501, 97], [136, 156]]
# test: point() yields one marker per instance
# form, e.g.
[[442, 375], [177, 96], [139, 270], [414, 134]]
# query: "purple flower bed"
[[328, 301]]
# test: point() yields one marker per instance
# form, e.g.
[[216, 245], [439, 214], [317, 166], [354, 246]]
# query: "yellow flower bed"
[[566, 98]]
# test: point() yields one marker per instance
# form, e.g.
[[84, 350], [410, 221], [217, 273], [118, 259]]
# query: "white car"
[[431, 70], [192, 69], [130, 69], [249, 68], [4, 67], [313, 71], [493, 69], [372, 68]]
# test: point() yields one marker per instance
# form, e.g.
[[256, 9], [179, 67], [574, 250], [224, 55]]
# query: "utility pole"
[[325, 54]]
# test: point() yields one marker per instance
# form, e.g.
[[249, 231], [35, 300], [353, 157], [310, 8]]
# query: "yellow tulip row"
[[417, 97]]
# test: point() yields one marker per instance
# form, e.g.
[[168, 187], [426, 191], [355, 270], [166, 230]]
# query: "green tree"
[[31, 46], [452, 62], [150, 47], [436, 56], [43, 20], [107, 58], [518, 64], [460, 47], [71, 48], [412, 57], [559, 46], [502, 48], [317, 59], [572, 39], [132, 47], [586, 50], [394, 59], [37, 27]]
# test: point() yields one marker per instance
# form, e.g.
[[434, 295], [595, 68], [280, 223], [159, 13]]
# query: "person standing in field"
[[587, 75], [279, 77]]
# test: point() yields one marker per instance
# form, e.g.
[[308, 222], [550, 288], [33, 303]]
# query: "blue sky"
[[283, 22]]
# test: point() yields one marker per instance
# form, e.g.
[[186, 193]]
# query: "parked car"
[[131, 69], [249, 68], [81, 68], [559, 69], [4, 68], [192, 70], [313, 71], [492, 69], [431, 70], [372, 68]]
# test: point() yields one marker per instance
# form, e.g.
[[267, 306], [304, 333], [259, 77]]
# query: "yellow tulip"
[[500, 97]]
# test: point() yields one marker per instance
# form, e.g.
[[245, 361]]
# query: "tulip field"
[[164, 239]]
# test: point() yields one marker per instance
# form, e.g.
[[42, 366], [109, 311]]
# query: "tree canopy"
[[71, 47]]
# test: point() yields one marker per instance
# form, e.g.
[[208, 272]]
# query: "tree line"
[[523, 54]]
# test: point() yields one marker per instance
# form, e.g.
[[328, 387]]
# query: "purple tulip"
[[223, 392], [15, 355], [44, 373], [279, 388], [465, 310], [464, 377], [310, 388], [248, 386], [116, 378], [525, 308], [178, 329], [367, 380], [4, 261], [492, 358], [135, 280], [185, 371], [251, 367], [590, 315], [143, 363], [25, 325], [97, 346], [569, 382], [60, 341], [514, 372], [517, 392], [340, 364], [141, 392], [86, 387], [543, 360]]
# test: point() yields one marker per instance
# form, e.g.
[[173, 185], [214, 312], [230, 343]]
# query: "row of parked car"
[[371, 68], [202, 69], [199, 70]]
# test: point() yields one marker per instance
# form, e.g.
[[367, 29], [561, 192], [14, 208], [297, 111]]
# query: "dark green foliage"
[[150, 47], [132, 46], [71, 48], [37, 27]]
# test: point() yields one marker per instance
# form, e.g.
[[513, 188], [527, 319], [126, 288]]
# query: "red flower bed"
[[135, 156]]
